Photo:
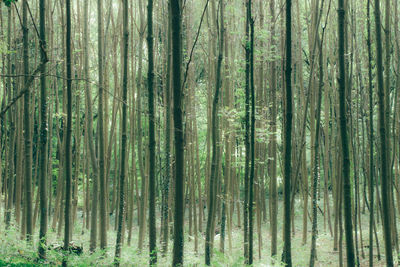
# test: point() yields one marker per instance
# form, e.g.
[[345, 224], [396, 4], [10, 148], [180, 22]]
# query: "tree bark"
[[273, 145], [252, 141], [43, 135], [215, 147], [288, 114], [27, 127], [316, 175], [123, 133], [152, 141], [176, 21], [383, 140], [371, 140], [246, 135], [343, 135], [68, 130], [101, 133], [167, 175], [11, 140]]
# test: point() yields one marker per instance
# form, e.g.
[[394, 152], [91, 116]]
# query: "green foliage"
[[3, 47], [10, 264], [15, 252], [8, 2]]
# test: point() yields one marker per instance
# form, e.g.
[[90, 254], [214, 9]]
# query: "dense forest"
[[199, 133]]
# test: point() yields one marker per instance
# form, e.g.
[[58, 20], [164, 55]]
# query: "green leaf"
[[8, 2]]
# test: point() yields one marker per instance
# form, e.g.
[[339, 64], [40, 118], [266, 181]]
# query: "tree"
[[316, 160], [167, 175], [252, 139], [287, 258], [176, 20], [215, 148], [123, 133], [143, 195], [11, 143], [383, 142], [43, 135], [27, 126], [89, 129], [246, 135], [152, 141], [68, 130], [100, 135], [273, 143], [343, 136], [371, 140]]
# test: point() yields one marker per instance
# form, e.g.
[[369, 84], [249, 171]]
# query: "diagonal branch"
[[194, 44], [24, 91]]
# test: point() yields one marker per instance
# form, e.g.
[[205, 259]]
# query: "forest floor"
[[14, 252]]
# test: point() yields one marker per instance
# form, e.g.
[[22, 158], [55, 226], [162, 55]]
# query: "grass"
[[15, 252]]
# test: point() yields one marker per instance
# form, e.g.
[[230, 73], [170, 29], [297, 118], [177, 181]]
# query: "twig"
[[194, 44], [42, 42]]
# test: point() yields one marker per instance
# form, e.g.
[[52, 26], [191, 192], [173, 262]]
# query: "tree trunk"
[[246, 135], [123, 133], [215, 147], [43, 136], [371, 138], [343, 135], [152, 141], [383, 142], [273, 145], [288, 113], [11, 140], [316, 175], [252, 140], [27, 127], [142, 216], [68, 130], [176, 21], [167, 174], [91, 141], [101, 132]]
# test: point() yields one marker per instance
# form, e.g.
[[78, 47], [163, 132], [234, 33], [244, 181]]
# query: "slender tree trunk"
[[215, 147], [176, 20], [142, 216], [225, 217], [246, 135], [27, 127], [288, 114], [343, 134], [383, 142], [68, 130], [252, 141], [152, 141], [371, 140], [166, 181], [101, 133], [313, 253], [91, 141], [43, 136], [11, 140], [273, 145], [134, 189], [123, 161]]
